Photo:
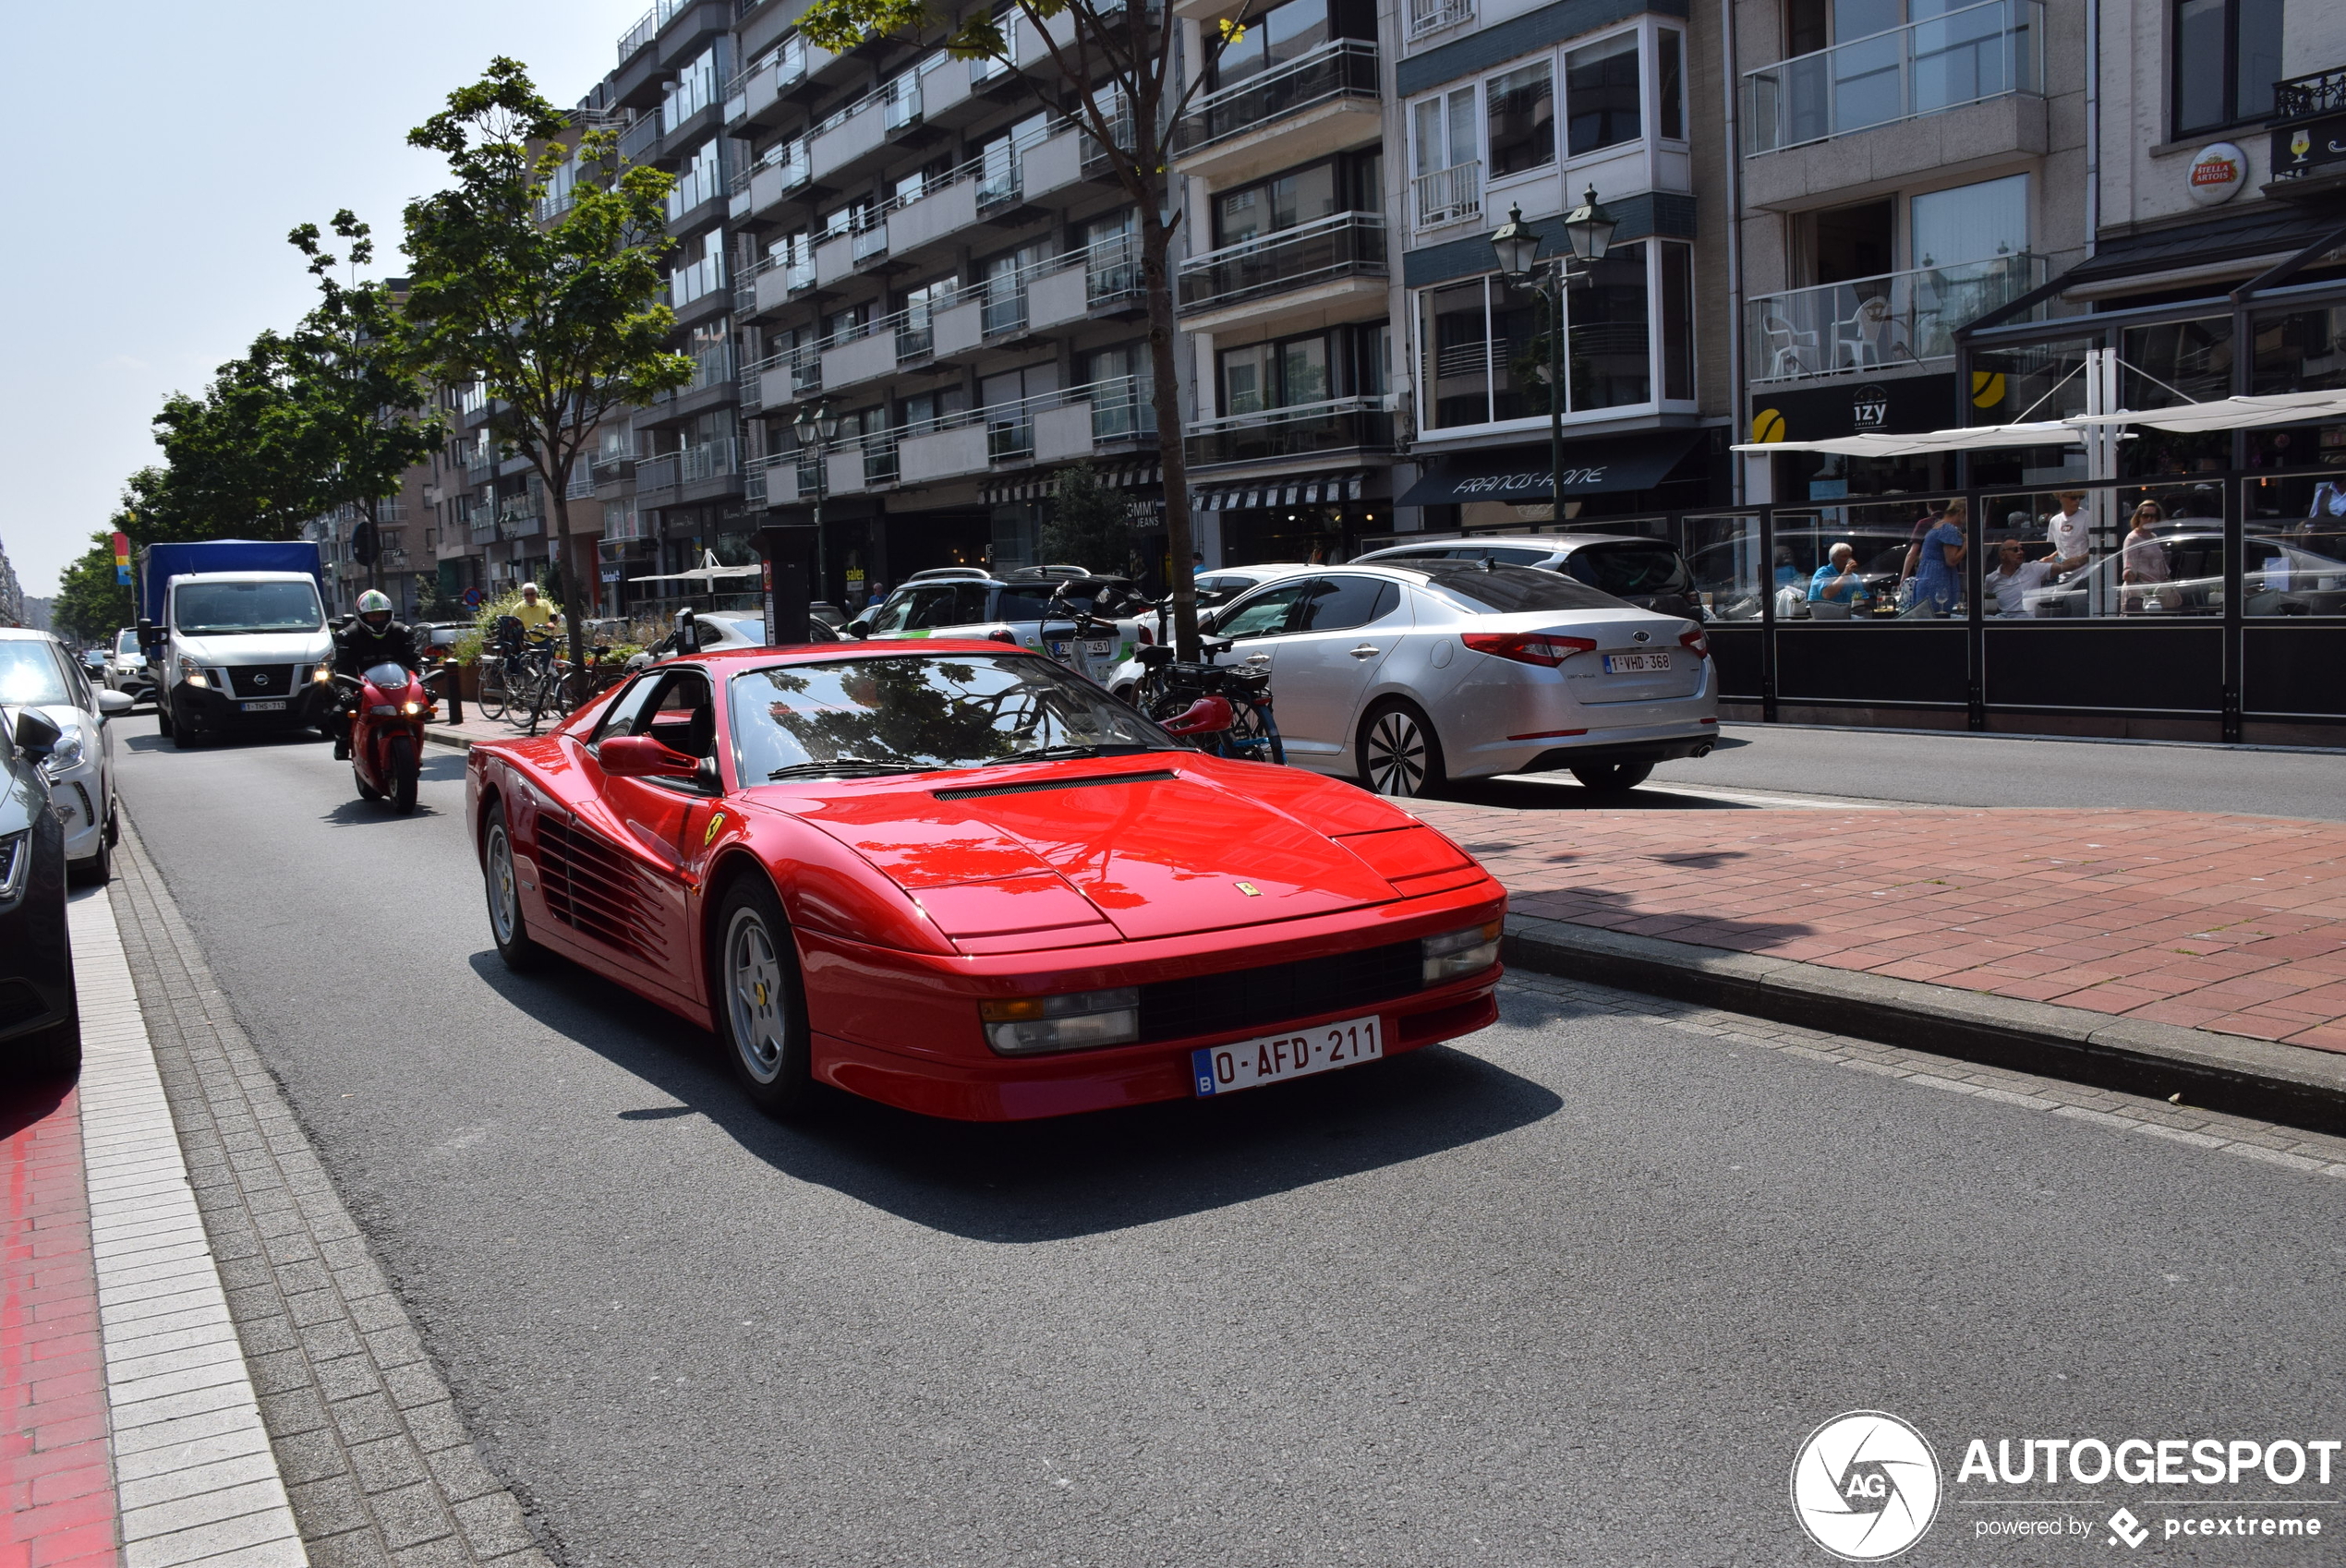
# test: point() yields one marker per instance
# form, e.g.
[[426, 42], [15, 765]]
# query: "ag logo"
[[1864, 1486]]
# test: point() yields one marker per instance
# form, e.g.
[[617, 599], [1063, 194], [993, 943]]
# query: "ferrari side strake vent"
[[1276, 993], [590, 888], [1157, 775]]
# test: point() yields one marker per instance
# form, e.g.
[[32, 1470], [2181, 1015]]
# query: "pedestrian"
[[2070, 531], [878, 593], [2142, 571], [2015, 575], [1933, 560], [1838, 581]]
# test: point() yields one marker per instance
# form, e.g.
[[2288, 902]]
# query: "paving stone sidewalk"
[[374, 1454], [2235, 925]]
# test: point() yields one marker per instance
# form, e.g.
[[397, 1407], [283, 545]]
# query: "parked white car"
[[127, 667], [37, 671], [1405, 676], [1215, 589], [1014, 606]]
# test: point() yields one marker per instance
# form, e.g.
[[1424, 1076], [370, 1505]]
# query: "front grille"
[[1276, 993], [20, 1004], [260, 679]]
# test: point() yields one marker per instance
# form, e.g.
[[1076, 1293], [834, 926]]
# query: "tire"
[[494, 693], [94, 871], [501, 887], [163, 721], [761, 1001], [185, 737], [401, 756], [1400, 753], [1612, 777], [366, 791], [53, 1052]]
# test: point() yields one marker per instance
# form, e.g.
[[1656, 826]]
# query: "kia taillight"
[[1528, 647], [1695, 642]]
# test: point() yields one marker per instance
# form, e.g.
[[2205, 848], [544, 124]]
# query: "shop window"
[[2227, 54], [2300, 350], [1522, 120], [1600, 91]]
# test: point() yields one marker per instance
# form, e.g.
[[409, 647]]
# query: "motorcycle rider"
[[371, 638]]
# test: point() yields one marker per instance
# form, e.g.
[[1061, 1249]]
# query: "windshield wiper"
[[844, 765], [1059, 753]]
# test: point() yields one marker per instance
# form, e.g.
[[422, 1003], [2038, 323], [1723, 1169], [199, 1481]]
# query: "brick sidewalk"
[[2231, 923]]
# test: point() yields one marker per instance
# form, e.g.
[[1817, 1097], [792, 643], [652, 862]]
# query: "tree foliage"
[[557, 322], [89, 604], [1089, 524], [238, 462]]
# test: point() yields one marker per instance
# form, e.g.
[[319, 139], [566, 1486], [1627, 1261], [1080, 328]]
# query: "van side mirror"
[[146, 632], [36, 736]]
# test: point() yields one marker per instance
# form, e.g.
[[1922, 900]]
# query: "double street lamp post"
[[1588, 228], [818, 426], [793, 582]]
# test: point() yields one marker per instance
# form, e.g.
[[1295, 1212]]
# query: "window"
[[1288, 32], [1338, 604], [1265, 615], [1970, 222], [1601, 89], [1522, 119], [1485, 345], [1677, 321], [1605, 330], [1485, 354], [1444, 125], [1670, 115], [1281, 202], [2228, 55]]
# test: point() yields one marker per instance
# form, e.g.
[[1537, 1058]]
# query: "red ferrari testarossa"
[[958, 878]]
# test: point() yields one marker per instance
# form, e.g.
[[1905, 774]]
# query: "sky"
[[175, 147]]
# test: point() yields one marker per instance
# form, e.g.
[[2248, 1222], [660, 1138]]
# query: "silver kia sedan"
[[37, 671], [1404, 675]]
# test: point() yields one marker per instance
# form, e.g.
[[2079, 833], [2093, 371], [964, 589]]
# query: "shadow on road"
[[1055, 1179], [443, 769], [1523, 794]]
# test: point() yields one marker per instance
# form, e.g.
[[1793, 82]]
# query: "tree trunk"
[[1157, 280], [574, 615], [375, 532]]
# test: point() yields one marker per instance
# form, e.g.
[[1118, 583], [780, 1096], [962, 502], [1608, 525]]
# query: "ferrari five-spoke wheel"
[[506, 926], [760, 1008], [1400, 754], [1611, 775]]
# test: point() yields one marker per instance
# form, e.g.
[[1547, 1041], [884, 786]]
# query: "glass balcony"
[[871, 241], [1447, 196], [901, 101], [1879, 322], [1112, 269], [1349, 424], [637, 142], [710, 460], [1342, 67], [1121, 410], [1925, 67], [879, 458], [1346, 244]]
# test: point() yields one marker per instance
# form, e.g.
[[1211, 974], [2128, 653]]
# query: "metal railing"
[[648, 26], [705, 181], [1892, 319], [637, 142], [1427, 18], [1342, 67], [2300, 98], [710, 460], [1346, 424], [1447, 196], [582, 481], [655, 473], [1944, 62], [1343, 244]]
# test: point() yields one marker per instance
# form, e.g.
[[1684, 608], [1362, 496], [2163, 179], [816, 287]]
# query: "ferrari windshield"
[[217, 610], [914, 712]]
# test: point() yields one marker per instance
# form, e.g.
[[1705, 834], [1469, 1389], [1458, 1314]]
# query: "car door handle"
[[1258, 659], [1366, 650]]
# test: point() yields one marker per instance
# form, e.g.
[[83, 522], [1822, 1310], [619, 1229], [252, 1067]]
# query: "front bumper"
[[78, 799], [207, 708]]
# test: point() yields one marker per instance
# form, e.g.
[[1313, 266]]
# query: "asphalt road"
[[1570, 1292]]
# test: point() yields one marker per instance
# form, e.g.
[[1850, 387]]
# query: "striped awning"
[[1291, 491], [1116, 475]]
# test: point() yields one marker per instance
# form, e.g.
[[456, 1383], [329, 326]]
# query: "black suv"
[[40, 1023]]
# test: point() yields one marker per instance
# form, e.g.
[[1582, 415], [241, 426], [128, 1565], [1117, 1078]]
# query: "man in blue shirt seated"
[[1837, 580]]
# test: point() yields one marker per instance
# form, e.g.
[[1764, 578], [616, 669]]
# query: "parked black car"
[[40, 1023]]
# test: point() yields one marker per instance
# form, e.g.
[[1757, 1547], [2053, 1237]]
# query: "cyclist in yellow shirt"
[[532, 612]]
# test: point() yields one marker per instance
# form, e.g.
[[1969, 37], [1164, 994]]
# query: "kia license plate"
[[277, 706], [1634, 663], [1248, 1064]]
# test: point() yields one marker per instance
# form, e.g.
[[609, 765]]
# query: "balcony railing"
[[1925, 67], [1121, 410], [655, 473], [1429, 17], [1346, 424], [1345, 244], [648, 26], [2303, 98], [1895, 318], [582, 480], [1447, 196], [1342, 67], [635, 143], [710, 460], [705, 181]]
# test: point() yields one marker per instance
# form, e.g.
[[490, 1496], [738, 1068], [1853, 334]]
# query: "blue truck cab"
[[235, 635]]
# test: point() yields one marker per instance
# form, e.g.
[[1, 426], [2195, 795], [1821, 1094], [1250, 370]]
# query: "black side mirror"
[[36, 735], [146, 632], [687, 632], [859, 626]]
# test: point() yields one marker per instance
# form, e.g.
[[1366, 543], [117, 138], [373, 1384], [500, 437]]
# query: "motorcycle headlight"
[[1073, 1022], [1455, 953], [411, 709], [190, 673], [324, 674], [68, 756]]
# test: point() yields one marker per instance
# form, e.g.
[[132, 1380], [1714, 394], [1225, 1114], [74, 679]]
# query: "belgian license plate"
[[276, 706], [1093, 647], [1634, 663], [1247, 1063]]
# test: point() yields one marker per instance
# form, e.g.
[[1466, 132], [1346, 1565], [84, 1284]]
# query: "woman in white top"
[[2142, 563]]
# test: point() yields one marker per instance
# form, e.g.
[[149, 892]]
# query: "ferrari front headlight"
[[1076, 1021], [1457, 953]]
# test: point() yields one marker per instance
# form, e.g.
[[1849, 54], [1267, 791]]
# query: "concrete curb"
[[2292, 1084], [456, 738]]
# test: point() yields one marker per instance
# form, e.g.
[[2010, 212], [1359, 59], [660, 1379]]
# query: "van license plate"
[[1634, 663], [277, 706]]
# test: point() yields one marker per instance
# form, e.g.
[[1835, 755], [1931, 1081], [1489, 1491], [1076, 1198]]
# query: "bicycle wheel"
[[1254, 737], [496, 693]]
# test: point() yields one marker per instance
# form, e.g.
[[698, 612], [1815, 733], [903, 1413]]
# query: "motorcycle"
[[387, 734]]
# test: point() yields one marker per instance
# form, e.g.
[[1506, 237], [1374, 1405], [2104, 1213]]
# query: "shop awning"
[[1287, 489], [1116, 475], [1917, 443], [2229, 412], [1592, 466]]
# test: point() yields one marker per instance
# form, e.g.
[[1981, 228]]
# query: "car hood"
[[257, 647], [1159, 845]]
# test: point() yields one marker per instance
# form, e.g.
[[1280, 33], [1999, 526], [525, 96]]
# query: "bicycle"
[[1221, 709]]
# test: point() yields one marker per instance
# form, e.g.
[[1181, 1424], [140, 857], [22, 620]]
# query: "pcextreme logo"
[[1864, 1486]]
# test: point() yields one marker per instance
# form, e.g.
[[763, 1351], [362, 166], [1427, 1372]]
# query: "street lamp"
[[818, 426], [1588, 229]]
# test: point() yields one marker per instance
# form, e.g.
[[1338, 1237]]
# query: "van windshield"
[[219, 610]]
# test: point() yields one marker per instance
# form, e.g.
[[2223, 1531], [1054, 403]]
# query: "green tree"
[[559, 322], [90, 604], [353, 378], [240, 461], [1129, 96], [1089, 524]]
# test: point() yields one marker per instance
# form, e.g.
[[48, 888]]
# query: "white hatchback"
[[1016, 607], [1404, 675]]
